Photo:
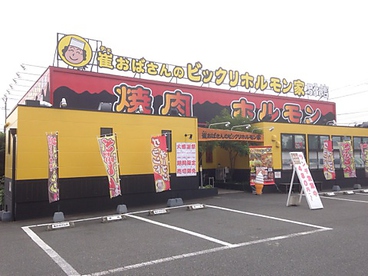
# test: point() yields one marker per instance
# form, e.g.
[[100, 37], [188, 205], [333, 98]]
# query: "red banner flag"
[[364, 149], [328, 161], [347, 159], [109, 154], [53, 175], [160, 163]]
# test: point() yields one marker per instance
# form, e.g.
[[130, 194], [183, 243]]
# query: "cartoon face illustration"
[[160, 185], [74, 52]]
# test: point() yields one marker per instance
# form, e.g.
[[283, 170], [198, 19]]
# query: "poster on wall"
[[260, 160], [306, 181], [328, 161], [364, 150], [53, 167], [186, 159], [347, 159], [160, 163], [109, 155]]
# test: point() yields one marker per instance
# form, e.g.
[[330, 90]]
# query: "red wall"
[[85, 90]]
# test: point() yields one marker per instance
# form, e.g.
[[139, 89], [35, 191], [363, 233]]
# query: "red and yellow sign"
[[328, 161], [347, 159], [160, 164], [158, 95], [260, 160], [109, 154], [76, 51], [364, 153], [211, 134]]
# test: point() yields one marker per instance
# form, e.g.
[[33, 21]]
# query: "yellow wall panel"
[[77, 140], [273, 139]]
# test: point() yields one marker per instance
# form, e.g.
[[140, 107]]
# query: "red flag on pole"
[[160, 164], [109, 154], [328, 161], [53, 175]]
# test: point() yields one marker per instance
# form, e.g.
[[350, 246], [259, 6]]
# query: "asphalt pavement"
[[233, 233]]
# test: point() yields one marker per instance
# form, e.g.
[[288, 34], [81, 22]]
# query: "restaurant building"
[[53, 147]]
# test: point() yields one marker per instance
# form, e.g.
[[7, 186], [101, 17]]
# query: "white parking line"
[[64, 265], [344, 199], [208, 251], [69, 270], [270, 217], [182, 230], [163, 260]]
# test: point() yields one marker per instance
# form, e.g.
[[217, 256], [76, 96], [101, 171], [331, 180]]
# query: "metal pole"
[[6, 107], [5, 99], [200, 170]]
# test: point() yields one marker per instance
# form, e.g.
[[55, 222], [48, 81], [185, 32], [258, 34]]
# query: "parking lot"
[[235, 233]]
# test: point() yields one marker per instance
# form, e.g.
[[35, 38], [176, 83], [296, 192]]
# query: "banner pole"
[[200, 170]]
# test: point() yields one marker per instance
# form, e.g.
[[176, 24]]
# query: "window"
[[9, 141], [168, 135], [289, 143], [358, 149], [209, 155], [336, 150], [315, 150], [106, 131]]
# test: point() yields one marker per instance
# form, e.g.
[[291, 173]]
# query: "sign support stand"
[[291, 189]]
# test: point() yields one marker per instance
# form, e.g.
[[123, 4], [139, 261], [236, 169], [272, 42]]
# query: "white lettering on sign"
[[159, 211], [60, 225], [115, 217], [197, 206]]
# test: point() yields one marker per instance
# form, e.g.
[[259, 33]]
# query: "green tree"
[[234, 149], [2, 153], [205, 146], [2, 167]]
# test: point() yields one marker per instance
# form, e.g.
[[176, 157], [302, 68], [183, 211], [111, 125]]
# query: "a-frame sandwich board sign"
[[306, 181]]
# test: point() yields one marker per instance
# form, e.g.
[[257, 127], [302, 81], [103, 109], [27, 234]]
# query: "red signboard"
[[83, 80], [86, 90], [328, 161]]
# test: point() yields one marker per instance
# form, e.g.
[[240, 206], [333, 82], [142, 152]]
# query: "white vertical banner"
[[306, 180], [186, 159]]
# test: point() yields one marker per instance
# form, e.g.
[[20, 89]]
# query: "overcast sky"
[[323, 42]]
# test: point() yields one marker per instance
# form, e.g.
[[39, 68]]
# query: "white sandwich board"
[[306, 181]]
